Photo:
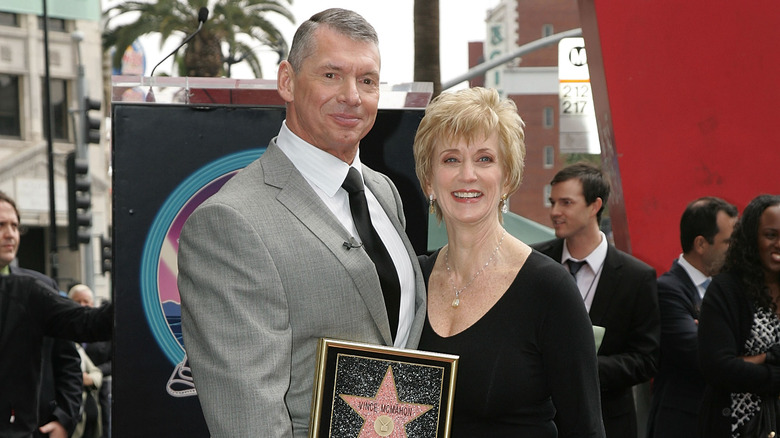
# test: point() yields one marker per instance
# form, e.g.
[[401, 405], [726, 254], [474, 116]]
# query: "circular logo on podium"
[[159, 293]]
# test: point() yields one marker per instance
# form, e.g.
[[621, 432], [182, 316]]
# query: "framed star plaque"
[[373, 391]]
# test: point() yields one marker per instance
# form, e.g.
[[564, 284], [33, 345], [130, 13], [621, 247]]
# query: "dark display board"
[[166, 160]]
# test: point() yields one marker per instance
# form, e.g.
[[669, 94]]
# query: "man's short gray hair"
[[343, 21]]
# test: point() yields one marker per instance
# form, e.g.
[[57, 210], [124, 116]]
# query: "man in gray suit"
[[273, 261]]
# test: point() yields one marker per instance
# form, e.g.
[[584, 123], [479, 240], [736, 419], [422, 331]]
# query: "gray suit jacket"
[[263, 274]]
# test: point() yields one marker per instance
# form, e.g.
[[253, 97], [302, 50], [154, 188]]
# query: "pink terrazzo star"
[[384, 414]]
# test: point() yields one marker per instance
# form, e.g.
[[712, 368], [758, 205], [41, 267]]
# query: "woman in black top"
[[528, 363], [739, 328]]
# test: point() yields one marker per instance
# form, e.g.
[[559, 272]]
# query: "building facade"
[[75, 65], [532, 83]]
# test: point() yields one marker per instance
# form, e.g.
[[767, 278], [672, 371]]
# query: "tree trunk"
[[427, 65], [203, 56]]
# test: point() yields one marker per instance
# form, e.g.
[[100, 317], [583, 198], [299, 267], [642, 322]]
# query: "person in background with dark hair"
[[60, 387], [739, 329], [286, 253], [619, 292], [705, 232]]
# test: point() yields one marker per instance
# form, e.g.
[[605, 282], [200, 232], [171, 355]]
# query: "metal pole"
[[82, 151], [522, 50], [53, 262]]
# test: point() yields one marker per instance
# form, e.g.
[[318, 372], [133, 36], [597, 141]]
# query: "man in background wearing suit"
[[705, 231], [60, 387], [274, 261], [618, 290]]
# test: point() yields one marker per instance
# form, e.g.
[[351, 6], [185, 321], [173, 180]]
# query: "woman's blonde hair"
[[471, 115]]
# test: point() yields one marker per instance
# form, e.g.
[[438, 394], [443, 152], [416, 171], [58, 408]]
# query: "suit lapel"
[[300, 199], [553, 249], [607, 287]]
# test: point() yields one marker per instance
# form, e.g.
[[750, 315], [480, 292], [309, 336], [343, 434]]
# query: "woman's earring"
[[431, 208], [504, 205]]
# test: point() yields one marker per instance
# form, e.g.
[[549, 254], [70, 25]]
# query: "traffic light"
[[91, 126], [106, 254], [79, 201]]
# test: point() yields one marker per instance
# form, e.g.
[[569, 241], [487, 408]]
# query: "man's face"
[[333, 98], [84, 298], [569, 212], [714, 255], [9, 234]]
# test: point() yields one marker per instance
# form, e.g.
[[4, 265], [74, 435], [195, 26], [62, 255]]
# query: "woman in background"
[[739, 329], [515, 317]]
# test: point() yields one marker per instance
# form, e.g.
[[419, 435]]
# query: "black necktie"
[[574, 267], [388, 277]]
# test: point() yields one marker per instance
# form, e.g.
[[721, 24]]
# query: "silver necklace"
[[456, 301]]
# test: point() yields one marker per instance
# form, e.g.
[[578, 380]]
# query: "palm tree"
[[427, 66], [233, 32]]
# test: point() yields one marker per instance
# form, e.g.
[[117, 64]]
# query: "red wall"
[[687, 99]]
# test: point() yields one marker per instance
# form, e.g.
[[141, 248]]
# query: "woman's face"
[[769, 242], [468, 180]]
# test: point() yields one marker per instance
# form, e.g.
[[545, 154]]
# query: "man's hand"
[[54, 429]]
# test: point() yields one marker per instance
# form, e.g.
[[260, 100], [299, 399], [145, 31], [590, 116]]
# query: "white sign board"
[[578, 130]]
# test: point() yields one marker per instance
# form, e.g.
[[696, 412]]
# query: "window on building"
[[549, 117], [55, 24], [549, 157], [59, 108], [547, 30], [9, 19], [10, 125], [546, 195]]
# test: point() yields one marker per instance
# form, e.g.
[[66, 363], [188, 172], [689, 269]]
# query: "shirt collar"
[[596, 257], [697, 277], [6, 270], [320, 168]]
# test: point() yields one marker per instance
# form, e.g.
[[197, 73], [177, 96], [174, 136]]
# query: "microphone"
[[203, 15], [351, 244]]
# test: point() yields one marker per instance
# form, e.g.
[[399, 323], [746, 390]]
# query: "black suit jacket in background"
[[626, 305], [29, 311], [678, 387], [61, 378]]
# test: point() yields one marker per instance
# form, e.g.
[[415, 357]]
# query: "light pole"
[[53, 262], [522, 50], [82, 151]]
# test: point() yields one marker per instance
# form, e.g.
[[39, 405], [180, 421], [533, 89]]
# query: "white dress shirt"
[[325, 173], [697, 277], [588, 276]]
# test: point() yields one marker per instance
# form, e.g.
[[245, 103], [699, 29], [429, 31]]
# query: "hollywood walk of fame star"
[[384, 414]]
